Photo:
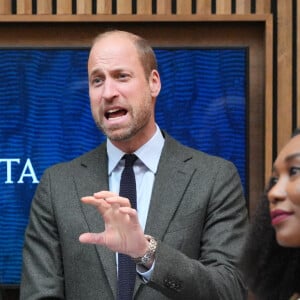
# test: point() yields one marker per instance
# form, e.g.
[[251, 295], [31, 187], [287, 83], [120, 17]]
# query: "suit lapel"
[[173, 175], [171, 179], [93, 178]]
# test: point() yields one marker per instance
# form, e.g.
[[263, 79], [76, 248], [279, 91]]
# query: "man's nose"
[[110, 90]]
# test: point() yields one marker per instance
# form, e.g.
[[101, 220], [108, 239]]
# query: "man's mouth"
[[115, 113]]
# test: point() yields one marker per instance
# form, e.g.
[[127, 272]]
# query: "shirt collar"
[[149, 153]]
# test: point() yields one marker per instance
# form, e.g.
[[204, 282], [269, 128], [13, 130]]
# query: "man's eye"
[[123, 76], [97, 81]]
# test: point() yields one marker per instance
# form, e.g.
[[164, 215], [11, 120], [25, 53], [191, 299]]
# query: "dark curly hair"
[[270, 270]]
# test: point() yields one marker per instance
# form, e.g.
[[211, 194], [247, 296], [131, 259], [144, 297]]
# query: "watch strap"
[[150, 253]]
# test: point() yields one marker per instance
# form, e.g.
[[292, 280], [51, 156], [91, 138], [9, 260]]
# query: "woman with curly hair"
[[271, 257]]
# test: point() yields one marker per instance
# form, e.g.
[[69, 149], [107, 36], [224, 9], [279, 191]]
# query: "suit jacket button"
[[172, 283]]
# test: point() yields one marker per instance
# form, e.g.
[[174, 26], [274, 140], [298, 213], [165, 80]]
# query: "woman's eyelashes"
[[294, 171]]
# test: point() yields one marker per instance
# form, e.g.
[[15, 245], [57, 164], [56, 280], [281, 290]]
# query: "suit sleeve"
[[42, 272], [213, 274]]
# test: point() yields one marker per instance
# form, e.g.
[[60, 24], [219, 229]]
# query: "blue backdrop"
[[45, 118]]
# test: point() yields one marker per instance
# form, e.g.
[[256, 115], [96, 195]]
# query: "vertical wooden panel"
[[84, 7], [24, 7], [184, 7], [164, 7], [223, 7], [243, 7], [124, 7], [263, 6], [104, 7], [203, 7], [5, 7], [284, 80], [64, 7], [269, 98], [44, 7], [144, 7]]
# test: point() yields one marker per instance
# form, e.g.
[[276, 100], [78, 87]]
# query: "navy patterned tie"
[[127, 268]]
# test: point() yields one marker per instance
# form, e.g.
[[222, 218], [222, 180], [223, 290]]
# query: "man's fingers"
[[97, 202], [92, 238], [104, 194], [105, 202], [121, 201], [129, 211], [132, 214]]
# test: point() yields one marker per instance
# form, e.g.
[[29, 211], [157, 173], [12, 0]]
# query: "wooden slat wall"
[[124, 7], [284, 79], [44, 7], [24, 7], [282, 113], [64, 7], [83, 7], [203, 7], [263, 6], [104, 7], [164, 7], [5, 7], [144, 7], [183, 7], [243, 7], [223, 7]]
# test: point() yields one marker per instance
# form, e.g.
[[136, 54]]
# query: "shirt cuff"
[[145, 273]]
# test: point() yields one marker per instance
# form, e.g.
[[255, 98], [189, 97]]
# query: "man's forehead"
[[117, 37]]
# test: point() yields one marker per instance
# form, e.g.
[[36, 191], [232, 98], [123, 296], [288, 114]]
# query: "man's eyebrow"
[[95, 71]]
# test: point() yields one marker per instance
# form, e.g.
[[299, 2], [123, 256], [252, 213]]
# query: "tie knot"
[[129, 159]]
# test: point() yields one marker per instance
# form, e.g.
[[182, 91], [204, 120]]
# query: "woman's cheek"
[[295, 194]]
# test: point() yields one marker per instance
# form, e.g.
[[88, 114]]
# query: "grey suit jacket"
[[197, 213]]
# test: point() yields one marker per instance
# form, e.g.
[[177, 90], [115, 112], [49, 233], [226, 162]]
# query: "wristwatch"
[[149, 255]]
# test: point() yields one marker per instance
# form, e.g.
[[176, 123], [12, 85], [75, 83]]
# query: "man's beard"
[[126, 133], [117, 134]]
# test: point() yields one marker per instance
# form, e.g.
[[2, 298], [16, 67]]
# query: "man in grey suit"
[[188, 230]]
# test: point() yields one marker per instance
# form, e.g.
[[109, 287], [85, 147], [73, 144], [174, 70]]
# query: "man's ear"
[[154, 83]]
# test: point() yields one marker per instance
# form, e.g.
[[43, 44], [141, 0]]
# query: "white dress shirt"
[[144, 169]]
